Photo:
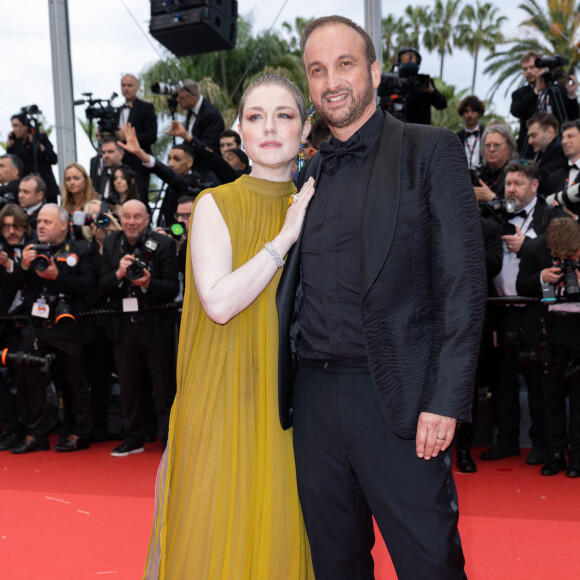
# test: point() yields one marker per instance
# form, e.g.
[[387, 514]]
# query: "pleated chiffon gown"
[[227, 504]]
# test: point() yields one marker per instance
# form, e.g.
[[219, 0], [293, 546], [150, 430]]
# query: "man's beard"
[[353, 112]]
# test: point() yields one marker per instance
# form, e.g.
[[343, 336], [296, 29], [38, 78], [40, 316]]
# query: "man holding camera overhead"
[[536, 96], [139, 271], [55, 277]]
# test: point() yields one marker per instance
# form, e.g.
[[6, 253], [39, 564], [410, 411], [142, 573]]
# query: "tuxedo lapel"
[[381, 203]]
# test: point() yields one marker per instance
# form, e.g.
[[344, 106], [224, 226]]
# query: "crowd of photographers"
[[115, 247], [89, 288]]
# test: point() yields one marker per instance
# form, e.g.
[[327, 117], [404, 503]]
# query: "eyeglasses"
[[183, 216], [12, 227], [489, 146]]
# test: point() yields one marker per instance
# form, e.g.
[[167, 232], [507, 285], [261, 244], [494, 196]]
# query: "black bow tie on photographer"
[[468, 133], [522, 214], [330, 152]]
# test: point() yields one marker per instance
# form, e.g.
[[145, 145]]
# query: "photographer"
[[143, 118], [55, 279], [15, 233], [10, 174], [472, 109], [138, 271], [536, 96], [203, 120], [419, 99], [518, 327], [551, 262], [35, 151]]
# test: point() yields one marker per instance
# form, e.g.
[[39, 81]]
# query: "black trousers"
[[562, 433], [134, 352], [351, 466], [519, 329], [68, 372]]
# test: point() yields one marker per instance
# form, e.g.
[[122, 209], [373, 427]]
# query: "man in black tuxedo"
[[31, 197], [472, 109], [569, 175], [10, 173], [544, 139], [141, 337], [203, 121], [143, 118], [534, 98], [390, 268]]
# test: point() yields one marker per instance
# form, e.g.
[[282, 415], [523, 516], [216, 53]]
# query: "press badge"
[[40, 309], [130, 305]]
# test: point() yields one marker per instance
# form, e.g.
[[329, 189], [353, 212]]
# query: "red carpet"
[[88, 515]]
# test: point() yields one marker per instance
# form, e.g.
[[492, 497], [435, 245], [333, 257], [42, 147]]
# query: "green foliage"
[[554, 29], [439, 34]]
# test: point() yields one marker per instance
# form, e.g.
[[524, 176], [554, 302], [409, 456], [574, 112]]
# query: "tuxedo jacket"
[[208, 125], [422, 279], [534, 258], [551, 160], [143, 118]]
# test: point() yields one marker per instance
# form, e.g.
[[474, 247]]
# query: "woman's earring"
[[300, 156]]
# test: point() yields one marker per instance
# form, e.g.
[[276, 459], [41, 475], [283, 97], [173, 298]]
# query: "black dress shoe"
[[127, 449], [500, 451], [73, 443], [573, 468], [31, 443], [556, 464], [465, 463], [8, 441], [538, 455]]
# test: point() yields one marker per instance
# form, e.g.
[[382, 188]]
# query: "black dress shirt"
[[330, 316]]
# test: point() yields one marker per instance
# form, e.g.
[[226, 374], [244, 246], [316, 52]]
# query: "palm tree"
[[414, 20], [554, 30], [439, 34], [391, 28], [478, 27]]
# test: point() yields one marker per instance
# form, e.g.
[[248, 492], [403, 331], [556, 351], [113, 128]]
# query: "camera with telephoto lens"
[[568, 269], [554, 65], [475, 175], [45, 253], [502, 210], [568, 197], [137, 267], [80, 218], [101, 110], [166, 88], [23, 359]]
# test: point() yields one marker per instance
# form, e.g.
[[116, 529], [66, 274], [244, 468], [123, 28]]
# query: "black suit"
[[421, 318], [551, 159], [10, 189], [525, 105], [208, 126], [143, 337], [143, 118], [23, 149], [177, 185]]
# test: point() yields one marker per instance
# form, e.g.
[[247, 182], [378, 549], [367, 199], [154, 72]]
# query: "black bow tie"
[[468, 133], [572, 166], [330, 152], [522, 214]]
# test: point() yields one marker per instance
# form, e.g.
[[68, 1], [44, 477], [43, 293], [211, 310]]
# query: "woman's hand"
[[296, 213]]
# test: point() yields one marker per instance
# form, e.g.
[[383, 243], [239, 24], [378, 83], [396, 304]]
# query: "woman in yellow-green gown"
[[227, 504]]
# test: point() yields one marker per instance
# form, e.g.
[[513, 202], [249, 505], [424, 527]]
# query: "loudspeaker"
[[194, 26], [228, 8]]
